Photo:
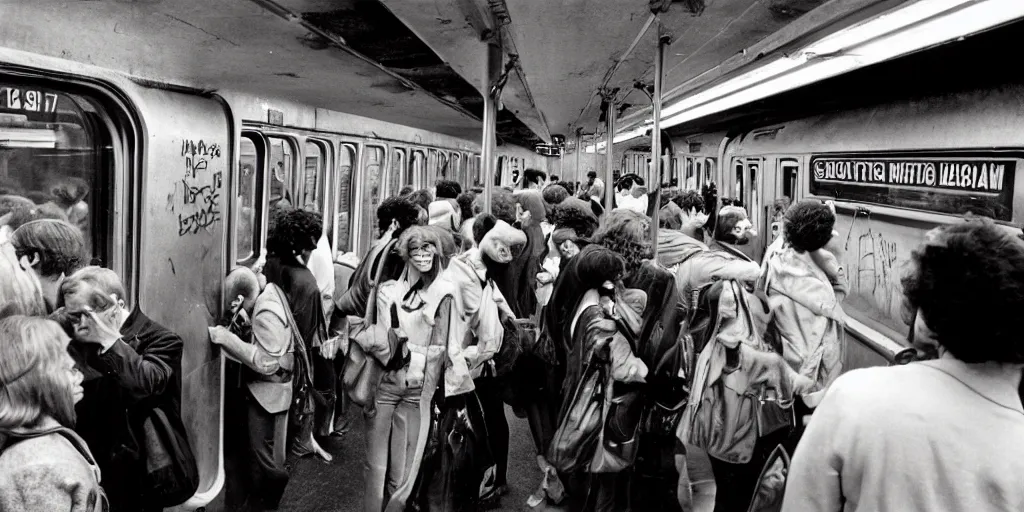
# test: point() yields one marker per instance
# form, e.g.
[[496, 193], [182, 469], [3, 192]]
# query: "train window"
[[457, 171], [313, 177], [419, 169], [431, 170], [790, 170], [249, 207], [370, 193], [343, 198], [752, 201], [478, 178], [442, 165], [282, 165], [710, 166], [57, 150], [398, 166], [739, 179]]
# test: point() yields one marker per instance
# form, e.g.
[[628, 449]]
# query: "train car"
[[895, 171], [179, 182]]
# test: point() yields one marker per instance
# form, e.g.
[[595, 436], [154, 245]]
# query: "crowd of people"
[[628, 364]]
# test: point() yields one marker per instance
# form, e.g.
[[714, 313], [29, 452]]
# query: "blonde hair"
[[33, 384]]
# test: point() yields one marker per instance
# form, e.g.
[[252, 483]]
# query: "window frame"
[[261, 198], [126, 128]]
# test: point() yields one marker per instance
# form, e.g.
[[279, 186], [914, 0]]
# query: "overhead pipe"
[[659, 64]]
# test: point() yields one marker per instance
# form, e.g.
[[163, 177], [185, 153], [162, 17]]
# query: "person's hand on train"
[[98, 328]]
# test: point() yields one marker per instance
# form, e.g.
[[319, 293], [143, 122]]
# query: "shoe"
[[311, 447]]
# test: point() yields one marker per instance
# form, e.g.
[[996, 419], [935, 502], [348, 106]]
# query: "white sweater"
[[911, 438]]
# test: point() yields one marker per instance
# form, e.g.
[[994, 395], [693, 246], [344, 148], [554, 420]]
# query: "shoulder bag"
[[362, 373]]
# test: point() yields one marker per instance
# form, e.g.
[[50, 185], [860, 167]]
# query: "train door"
[[344, 198], [369, 185]]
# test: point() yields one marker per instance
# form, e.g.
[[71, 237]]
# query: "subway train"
[[894, 170], [178, 184]]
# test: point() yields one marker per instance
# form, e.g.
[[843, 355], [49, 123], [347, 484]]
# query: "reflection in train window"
[[282, 165], [478, 180], [790, 169], [56, 152], [343, 195], [370, 185], [709, 170], [250, 165], [312, 184], [398, 166]]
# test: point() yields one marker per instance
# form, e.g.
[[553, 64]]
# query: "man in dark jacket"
[[131, 365]]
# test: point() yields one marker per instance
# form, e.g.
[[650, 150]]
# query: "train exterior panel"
[[894, 171]]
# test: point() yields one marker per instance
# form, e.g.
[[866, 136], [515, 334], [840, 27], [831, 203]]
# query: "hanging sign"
[[980, 184]]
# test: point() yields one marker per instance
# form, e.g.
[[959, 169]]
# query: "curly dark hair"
[[809, 225], [465, 202], [503, 205], [626, 233], [690, 199], [292, 230], [967, 283], [396, 208], [575, 215], [421, 198], [554, 194], [447, 189]]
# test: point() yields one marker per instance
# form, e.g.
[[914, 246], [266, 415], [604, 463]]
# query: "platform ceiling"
[[420, 62]]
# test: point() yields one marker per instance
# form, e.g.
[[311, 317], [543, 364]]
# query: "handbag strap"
[[371, 299]]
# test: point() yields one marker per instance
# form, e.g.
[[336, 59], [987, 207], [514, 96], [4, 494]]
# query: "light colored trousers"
[[392, 439]]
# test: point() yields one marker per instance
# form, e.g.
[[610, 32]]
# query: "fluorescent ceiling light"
[[619, 138], [921, 25]]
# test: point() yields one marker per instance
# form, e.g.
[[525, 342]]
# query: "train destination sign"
[[972, 176], [943, 184]]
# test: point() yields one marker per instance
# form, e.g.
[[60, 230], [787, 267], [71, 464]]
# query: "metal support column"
[[579, 149], [609, 151], [659, 64], [492, 73]]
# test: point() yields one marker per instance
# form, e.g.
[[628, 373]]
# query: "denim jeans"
[[392, 438]]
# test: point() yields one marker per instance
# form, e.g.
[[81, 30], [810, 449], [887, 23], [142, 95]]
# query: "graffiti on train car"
[[944, 184], [876, 256], [200, 191]]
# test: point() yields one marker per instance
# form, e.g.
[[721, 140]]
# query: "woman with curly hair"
[[806, 284], [616, 310], [291, 238], [942, 434]]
